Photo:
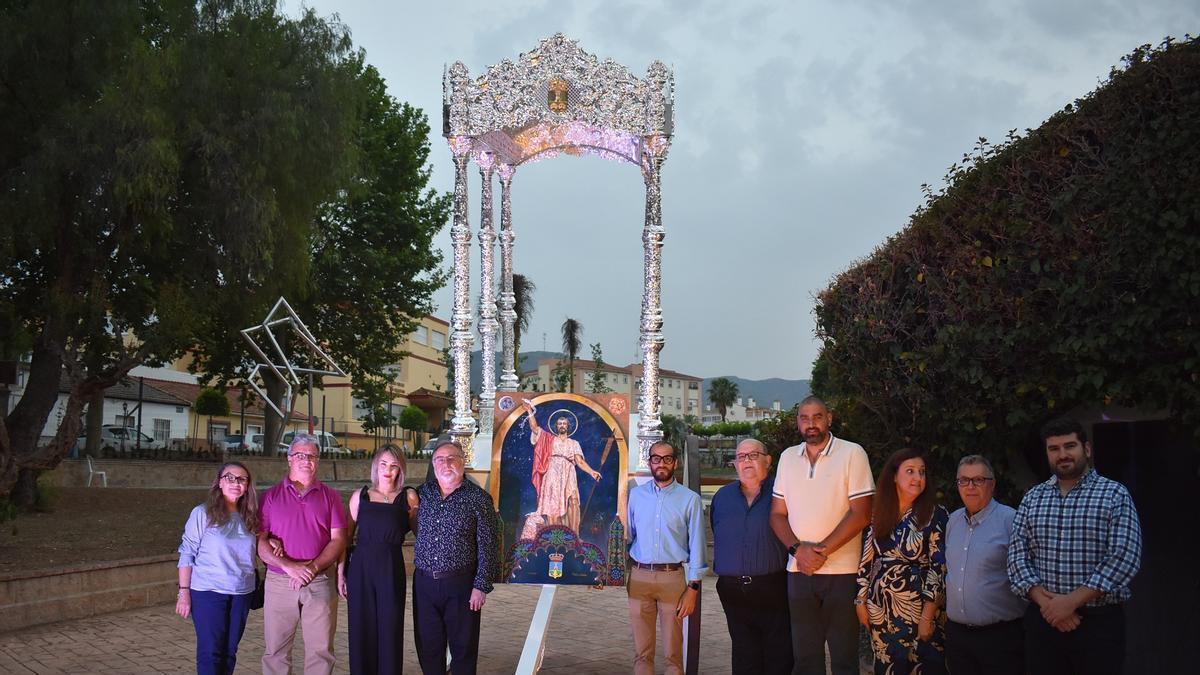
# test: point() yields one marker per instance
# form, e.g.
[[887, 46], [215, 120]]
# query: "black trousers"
[[822, 611], [1096, 647], [756, 610], [442, 616], [997, 649]]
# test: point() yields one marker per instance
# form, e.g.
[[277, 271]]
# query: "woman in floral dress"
[[903, 571]]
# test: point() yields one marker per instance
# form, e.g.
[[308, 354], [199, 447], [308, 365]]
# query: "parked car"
[[426, 450], [330, 445], [235, 444], [119, 437]]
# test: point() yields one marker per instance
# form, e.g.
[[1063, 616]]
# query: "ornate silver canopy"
[[558, 98], [554, 99]]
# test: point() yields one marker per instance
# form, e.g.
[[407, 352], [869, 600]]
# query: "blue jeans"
[[220, 620]]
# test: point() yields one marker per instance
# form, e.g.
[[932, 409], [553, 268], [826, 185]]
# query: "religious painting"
[[559, 465]]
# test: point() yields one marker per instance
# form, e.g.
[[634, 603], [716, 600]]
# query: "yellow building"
[[420, 380]]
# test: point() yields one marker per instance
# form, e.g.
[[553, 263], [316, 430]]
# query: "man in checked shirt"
[[1076, 544]]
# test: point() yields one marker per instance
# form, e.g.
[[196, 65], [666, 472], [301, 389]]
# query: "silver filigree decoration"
[[556, 99], [462, 425], [509, 381], [514, 98], [652, 340], [487, 295]]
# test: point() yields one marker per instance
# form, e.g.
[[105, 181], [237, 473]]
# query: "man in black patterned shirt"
[[455, 562]]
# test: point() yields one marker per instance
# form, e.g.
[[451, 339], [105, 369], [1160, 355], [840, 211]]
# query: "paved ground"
[[589, 634]]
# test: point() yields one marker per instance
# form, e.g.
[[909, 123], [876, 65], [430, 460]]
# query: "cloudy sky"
[[803, 133]]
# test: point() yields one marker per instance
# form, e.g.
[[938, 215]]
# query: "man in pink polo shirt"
[[308, 519]]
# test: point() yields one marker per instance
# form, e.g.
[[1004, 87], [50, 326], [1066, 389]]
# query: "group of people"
[[301, 532], [986, 589], [802, 558]]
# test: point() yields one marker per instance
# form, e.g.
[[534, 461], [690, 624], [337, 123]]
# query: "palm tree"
[[722, 392], [572, 336], [523, 290]]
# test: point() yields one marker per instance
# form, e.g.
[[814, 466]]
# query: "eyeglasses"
[[448, 459], [303, 457], [662, 459], [977, 482], [230, 478], [749, 456]]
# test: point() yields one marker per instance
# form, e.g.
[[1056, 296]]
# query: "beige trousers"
[[654, 593], [314, 607]]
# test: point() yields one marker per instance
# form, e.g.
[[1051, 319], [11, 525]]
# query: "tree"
[[722, 392], [572, 338], [210, 402], [523, 290], [675, 432], [162, 163], [779, 433], [560, 377], [596, 381], [414, 419], [376, 418], [374, 265], [258, 157], [1055, 271]]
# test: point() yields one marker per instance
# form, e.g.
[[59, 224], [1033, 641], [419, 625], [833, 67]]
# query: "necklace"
[[388, 498]]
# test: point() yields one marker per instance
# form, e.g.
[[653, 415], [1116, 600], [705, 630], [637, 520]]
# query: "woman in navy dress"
[[902, 576], [373, 580]]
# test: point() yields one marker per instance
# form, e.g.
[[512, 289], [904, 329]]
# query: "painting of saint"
[[558, 464], [555, 458]]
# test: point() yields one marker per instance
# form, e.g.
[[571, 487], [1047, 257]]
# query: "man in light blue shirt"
[[984, 634], [666, 551]]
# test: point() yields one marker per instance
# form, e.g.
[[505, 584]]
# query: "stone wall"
[[45, 596], [147, 473]]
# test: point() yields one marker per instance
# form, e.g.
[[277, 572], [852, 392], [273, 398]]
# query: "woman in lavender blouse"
[[216, 568]]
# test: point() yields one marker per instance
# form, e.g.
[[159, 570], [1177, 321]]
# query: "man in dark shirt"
[[751, 566], [455, 562]]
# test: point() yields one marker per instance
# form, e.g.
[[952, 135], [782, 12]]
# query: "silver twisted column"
[[509, 381], [649, 423], [462, 426], [487, 297]]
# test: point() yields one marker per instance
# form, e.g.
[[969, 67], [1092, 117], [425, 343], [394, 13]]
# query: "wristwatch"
[[793, 548], [695, 585]]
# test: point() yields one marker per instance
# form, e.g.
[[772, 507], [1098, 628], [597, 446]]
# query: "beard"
[[1070, 470], [814, 436], [662, 475]]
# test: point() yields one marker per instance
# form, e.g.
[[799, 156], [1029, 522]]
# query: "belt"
[[747, 579], [445, 574], [986, 626], [658, 567]]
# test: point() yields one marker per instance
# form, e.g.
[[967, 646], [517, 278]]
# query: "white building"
[[742, 410]]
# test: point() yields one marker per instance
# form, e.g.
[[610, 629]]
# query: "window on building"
[[439, 340], [421, 335], [162, 430], [125, 421], [360, 408]]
